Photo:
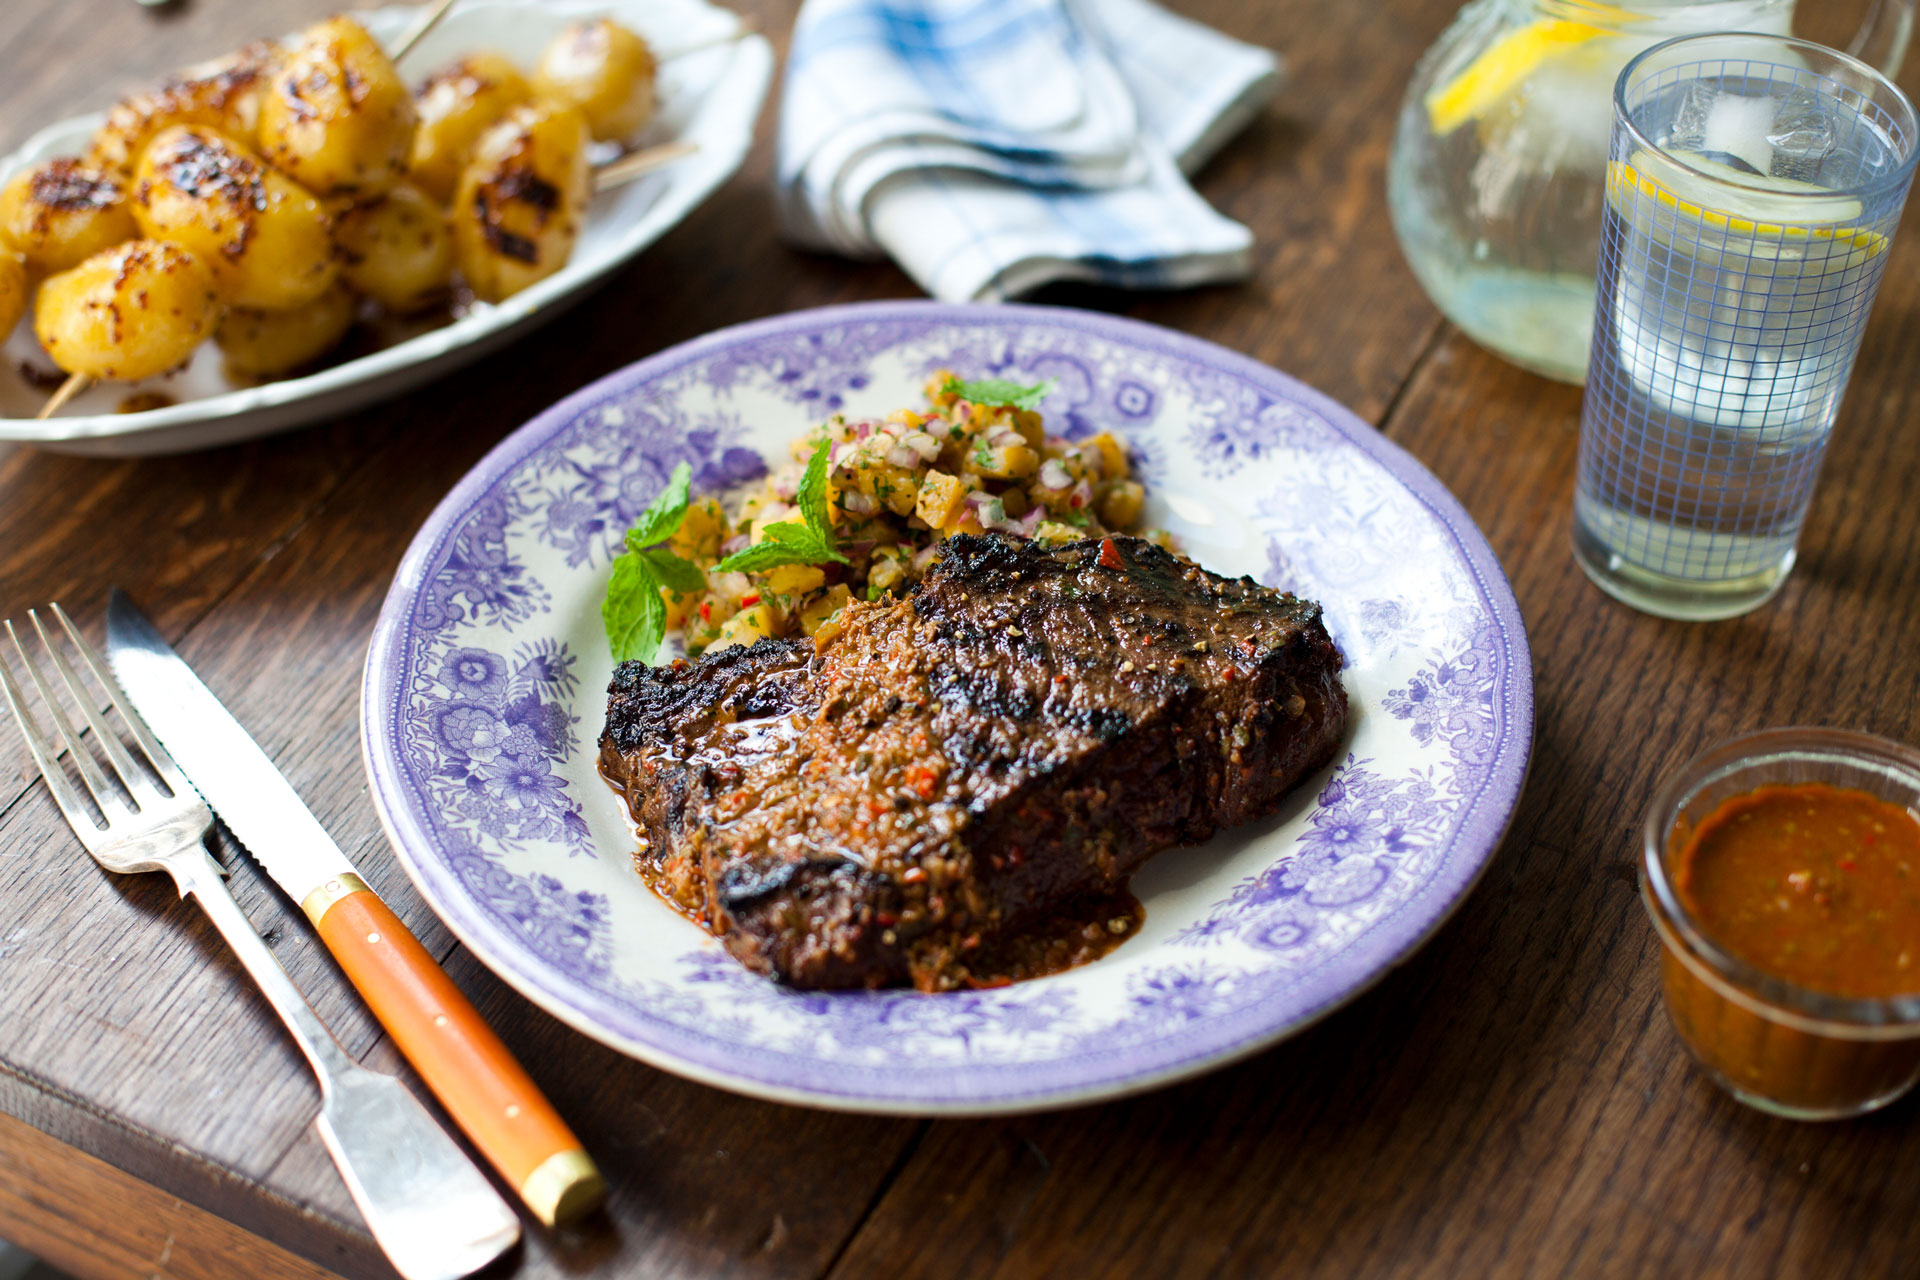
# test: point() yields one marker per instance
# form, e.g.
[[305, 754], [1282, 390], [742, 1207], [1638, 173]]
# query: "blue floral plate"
[[483, 700]]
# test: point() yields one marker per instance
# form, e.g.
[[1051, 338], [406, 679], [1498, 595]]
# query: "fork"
[[429, 1208]]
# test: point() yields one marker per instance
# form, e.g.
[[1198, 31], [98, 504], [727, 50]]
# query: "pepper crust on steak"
[[1014, 737]]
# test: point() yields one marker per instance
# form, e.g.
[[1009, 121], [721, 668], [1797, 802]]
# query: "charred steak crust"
[[1021, 732]]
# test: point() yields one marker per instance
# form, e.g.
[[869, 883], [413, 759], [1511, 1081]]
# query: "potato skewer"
[[347, 137]]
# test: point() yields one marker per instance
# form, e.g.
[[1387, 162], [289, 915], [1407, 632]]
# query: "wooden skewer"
[[628, 167], [744, 28], [73, 386], [420, 29]]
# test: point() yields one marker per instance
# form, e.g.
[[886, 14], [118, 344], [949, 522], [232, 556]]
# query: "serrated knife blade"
[[474, 1075], [226, 765]]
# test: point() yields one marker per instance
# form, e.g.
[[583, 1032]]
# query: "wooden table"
[[1510, 1102]]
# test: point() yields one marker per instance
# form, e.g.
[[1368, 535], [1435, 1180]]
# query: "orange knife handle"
[[475, 1076]]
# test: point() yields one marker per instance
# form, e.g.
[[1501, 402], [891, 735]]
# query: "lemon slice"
[[1495, 73], [1777, 219]]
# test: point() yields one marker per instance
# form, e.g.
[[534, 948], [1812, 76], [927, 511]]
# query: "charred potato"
[[267, 344], [521, 200], [455, 107], [603, 70], [397, 249], [15, 289], [223, 94], [134, 311], [266, 238], [336, 115], [60, 213]]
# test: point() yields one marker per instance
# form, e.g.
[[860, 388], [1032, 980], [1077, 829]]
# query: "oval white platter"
[[484, 697], [711, 97]]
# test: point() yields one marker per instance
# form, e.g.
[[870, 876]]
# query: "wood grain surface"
[[1510, 1102]]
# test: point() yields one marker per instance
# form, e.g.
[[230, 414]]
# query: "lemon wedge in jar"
[[1505, 64]]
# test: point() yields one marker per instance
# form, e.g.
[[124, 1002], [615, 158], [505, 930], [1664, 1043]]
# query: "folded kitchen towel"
[[991, 146]]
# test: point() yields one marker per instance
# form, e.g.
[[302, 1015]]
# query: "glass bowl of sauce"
[[1782, 873]]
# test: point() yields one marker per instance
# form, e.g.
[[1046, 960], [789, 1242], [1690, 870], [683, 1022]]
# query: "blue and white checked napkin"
[[991, 146]]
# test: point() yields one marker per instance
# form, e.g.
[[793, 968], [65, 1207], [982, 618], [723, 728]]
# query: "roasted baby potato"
[[397, 249], [223, 94], [455, 107], [335, 114], [15, 289], [136, 310], [266, 344], [266, 238], [604, 70], [60, 213], [521, 200]]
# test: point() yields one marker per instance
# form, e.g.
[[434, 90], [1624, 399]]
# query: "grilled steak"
[[998, 750]]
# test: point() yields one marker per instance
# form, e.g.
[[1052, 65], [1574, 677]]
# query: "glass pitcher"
[[1499, 161]]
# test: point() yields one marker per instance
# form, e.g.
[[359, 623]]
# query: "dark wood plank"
[[95, 1222]]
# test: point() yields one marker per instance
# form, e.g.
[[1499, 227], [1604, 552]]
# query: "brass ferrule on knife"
[[315, 904]]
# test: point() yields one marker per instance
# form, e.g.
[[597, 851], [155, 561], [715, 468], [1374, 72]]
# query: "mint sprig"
[[634, 614], [1000, 391], [787, 543]]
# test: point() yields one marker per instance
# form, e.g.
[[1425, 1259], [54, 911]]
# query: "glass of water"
[[1753, 186]]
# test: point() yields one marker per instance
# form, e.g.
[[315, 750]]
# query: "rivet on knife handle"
[[474, 1075]]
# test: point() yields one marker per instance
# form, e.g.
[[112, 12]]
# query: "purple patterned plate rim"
[[997, 1087]]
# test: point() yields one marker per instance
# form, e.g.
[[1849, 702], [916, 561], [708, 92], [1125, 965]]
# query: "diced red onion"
[[1006, 436], [1082, 494], [901, 456], [1031, 521], [738, 542], [838, 450], [1055, 476], [856, 502], [923, 444], [858, 547], [786, 482], [924, 558], [863, 429]]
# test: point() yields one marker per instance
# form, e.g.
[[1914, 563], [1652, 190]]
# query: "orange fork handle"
[[487, 1092]]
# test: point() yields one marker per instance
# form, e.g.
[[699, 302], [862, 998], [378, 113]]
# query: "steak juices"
[[1783, 875]]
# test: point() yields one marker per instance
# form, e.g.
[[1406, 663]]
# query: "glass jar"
[[1775, 1045], [1499, 159]]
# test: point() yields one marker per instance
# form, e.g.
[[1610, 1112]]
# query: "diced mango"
[[1028, 423], [755, 622], [794, 579], [1120, 504], [824, 606], [886, 572], [701, 532], [939, 499], [779, 513], [1114, 464], [1002, 462], [1053, 533], [679, 606]]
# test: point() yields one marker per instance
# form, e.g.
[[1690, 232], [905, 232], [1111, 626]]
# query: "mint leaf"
[[669, 570], [663, 516], [811, 498], [634, 614], [770, 554], [1000, 391], [789, 543]]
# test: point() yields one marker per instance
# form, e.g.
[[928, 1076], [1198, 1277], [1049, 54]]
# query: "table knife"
[[475, 1076]]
